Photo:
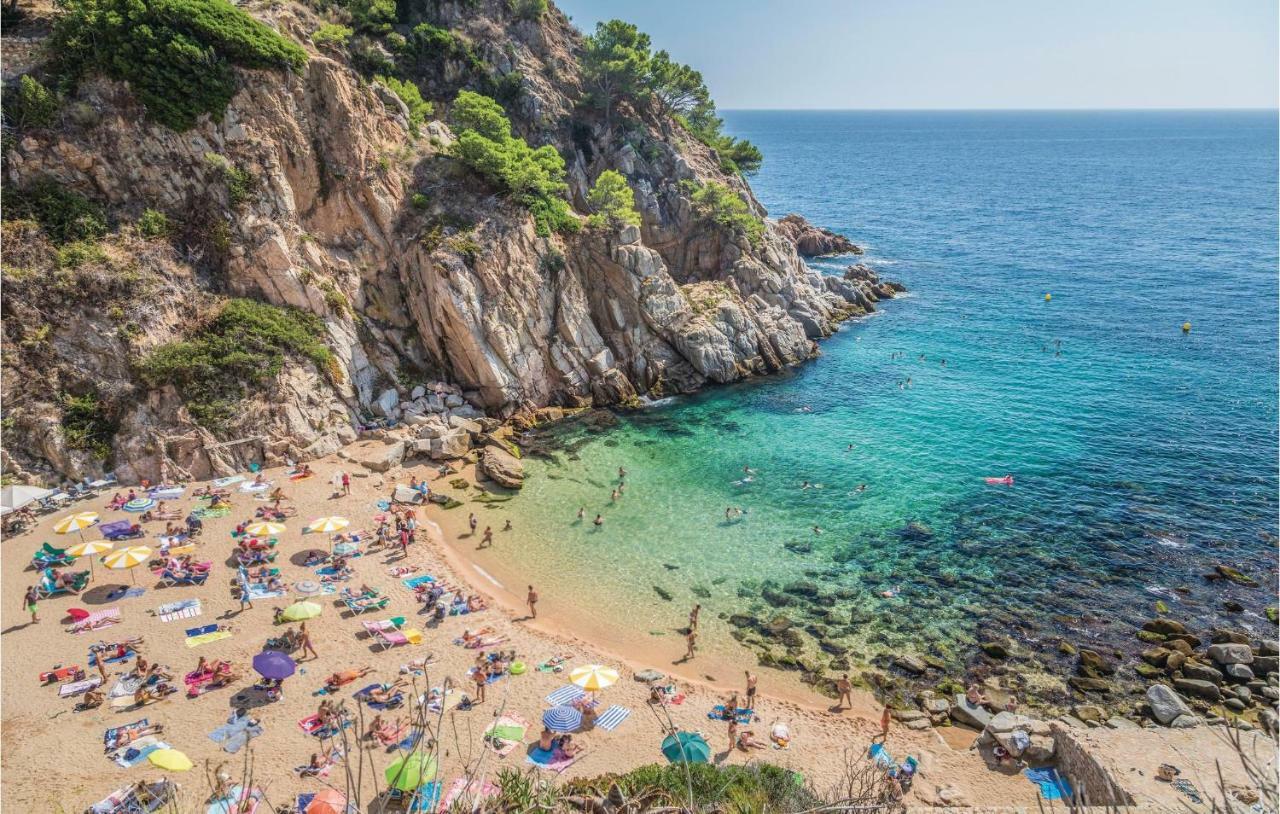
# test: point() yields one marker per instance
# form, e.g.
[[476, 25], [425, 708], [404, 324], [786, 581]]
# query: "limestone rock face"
[[502, 467], [462, 296]]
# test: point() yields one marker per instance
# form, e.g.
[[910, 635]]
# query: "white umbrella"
[[15, 497]]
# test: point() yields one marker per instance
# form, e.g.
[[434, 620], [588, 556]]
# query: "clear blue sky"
[[949, 54]]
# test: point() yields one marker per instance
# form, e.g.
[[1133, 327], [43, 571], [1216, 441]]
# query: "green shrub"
[[81, 252], [419, 109], [237, 352], [716, 202], [612, 202], [30, 104], [177, 55], [528, 9], [533, 177], [419, 201], [153, 224], [331, 34], [241, 183], [65, 215], [372, 16], [87, 425]]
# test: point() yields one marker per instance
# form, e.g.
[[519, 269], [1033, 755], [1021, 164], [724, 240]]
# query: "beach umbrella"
[[307, 587], [170, 759], [274, 664], [127, 558], [264, 528], [90, 550], [562, 719], [328, 525], [327, 801], [15, 497], [300, 610], [686, 747], [76, 522], [139, 504], [594, 677], [407, 772]]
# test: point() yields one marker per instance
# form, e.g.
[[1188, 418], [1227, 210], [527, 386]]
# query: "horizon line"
[[1001, 109]]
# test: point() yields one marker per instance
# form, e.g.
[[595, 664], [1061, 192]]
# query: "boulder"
[[969, 714], [910, 664], [1269, 722], [1262, 665], [995, 650], [1201, 672], [1240, 672], [1092, 664], [1220, 635], [1089, 712], [457, 422], [386, 403], [1165, 703], [1083, 684], [431, 427], [502, 467], [450, 444], [1231, 574], [1198, 688], [1164, 626], [1231, 653], [1269, 647], [417, 392], [1174, 662], [1186, 722], [1235, 705], [379, 458]]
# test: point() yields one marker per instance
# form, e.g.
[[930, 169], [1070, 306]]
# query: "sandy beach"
[[53, 756]]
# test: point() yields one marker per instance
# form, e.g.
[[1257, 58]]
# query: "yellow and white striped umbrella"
[[264, 528], [75, 522], [594, 677], [329, 524], [89, 549], [127, 557]]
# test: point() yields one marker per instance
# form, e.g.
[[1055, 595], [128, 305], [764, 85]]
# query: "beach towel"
[[223, 483], [311, 726], [76, 687], [363, 695], [554, 760], [207, 514], [236, 801], [1053, 786], [200, 631], [402, 570], [881, 756], [255, 487], [137, 752], [171, 493], [205, 638], [414, 582], [109, 737], [235, 735], [260, 591], [612, 717], [127, 593], [744, 716], [98, 619], [182, 609], [475, 792], [489, 679], [305, 769], [129, 653], [565, 695]]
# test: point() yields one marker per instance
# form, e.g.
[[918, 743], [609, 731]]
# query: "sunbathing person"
[[387, 693], [475, 603], [375, 726], [345, 677], [318, 763], [127, 736], [747, 740], [92, 700], [473, 639], [568, 748]]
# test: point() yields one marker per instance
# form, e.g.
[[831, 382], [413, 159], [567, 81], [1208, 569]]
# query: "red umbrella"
[[328, 801]]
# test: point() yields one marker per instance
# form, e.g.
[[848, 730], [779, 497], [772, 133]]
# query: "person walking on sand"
[[845, 688], [487, 540], [29, 603], [481, 679], [304, 641], [751, 689], [532, 601], [691, 643], [346, 483], [473, 521], [884, 723], [693, 617]]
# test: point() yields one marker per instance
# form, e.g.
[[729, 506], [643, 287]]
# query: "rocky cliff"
[[435, 293]]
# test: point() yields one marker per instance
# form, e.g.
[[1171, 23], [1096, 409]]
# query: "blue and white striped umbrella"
[[562, 719]]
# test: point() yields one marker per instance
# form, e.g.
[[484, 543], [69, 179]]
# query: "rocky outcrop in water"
[[417, 269], [812, 241]]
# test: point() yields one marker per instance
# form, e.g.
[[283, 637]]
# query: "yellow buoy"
[[1048, 297], [1186, 327]]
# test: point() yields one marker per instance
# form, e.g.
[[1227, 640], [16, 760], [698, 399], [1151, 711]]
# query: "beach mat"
[[565, 695], [612, 717], [205, 638], [744, 716], [1052, 785], [222, 483], [76, 687], [182, 609]]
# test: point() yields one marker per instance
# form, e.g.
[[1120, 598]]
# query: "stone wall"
[[1092, 783]]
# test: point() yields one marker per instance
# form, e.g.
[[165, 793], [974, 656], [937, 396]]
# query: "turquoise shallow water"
[[1142, 456]]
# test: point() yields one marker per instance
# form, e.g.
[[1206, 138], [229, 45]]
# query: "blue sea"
[[1142, 455]]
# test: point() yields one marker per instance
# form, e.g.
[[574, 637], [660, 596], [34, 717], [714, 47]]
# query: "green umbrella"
[[410, 771], [686, 747], [299, 611]]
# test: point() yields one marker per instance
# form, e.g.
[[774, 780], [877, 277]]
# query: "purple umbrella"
[[273, 664]]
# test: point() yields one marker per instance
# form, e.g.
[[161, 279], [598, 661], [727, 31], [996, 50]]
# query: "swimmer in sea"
[[582, 513], [908, 381], [747, 470], [613, 496], [622, 473], [817, 529], [804, 485], [599, 521]]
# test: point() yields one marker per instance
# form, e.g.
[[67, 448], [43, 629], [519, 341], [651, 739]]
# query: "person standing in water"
[[582, 513], [622, 473], [693, 617], [599, 521]]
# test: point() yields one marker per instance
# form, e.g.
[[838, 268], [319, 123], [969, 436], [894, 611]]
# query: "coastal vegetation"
[[30, 104], [241, 348], [716, 202], [532, 177], [86, 424], [64, 215], [612, 202], [408, 92], [617, 65], [178, 56]]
